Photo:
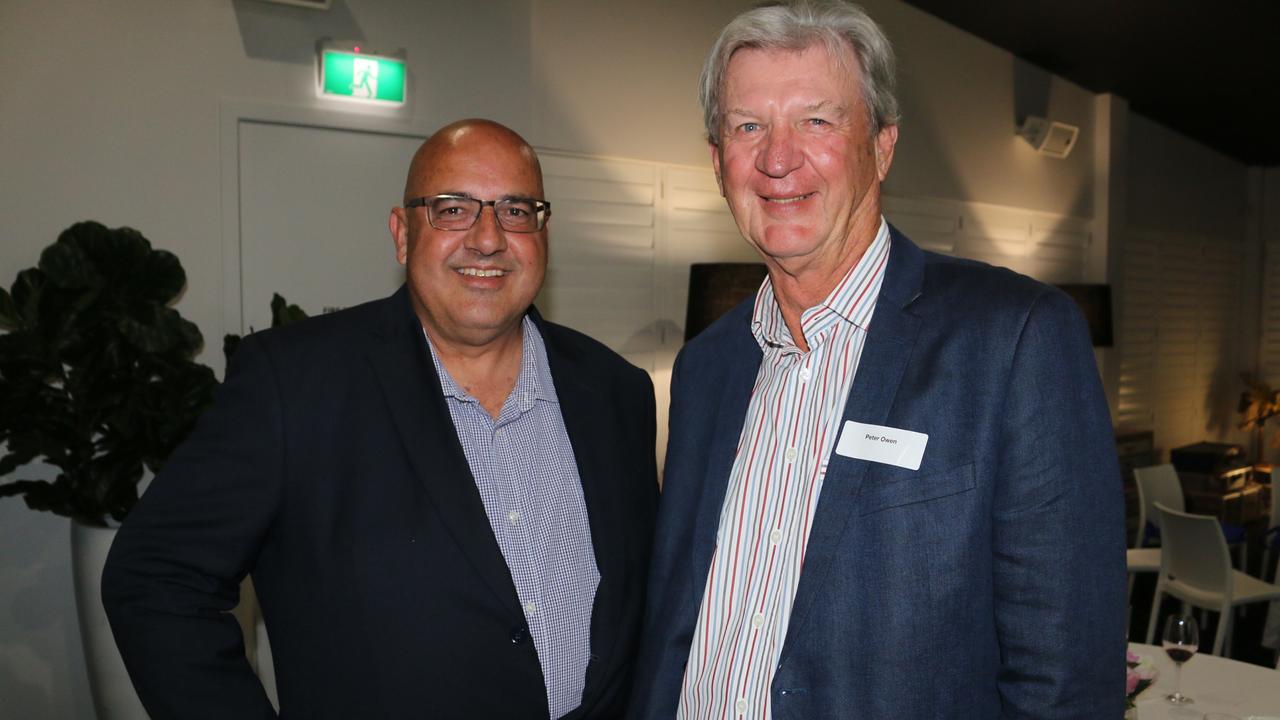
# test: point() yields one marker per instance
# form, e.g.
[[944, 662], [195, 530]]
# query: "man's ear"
[[398, 224], [715, 164], [886, 140]]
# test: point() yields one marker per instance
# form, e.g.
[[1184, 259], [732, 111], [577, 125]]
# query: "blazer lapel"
[[743, 357], [884, 358], [402, 364], [585, 416]]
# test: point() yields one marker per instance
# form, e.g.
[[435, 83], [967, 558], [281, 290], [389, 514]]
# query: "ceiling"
[[1210, 71]]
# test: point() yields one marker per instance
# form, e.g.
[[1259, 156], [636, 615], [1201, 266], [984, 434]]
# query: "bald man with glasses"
[[444, 500]]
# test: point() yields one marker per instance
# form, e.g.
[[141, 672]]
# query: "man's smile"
[[481, 272], [788, 199]]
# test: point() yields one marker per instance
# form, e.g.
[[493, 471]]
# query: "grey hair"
[[796, 25]]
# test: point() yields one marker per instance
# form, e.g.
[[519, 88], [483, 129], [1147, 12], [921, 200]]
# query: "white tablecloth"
[[1217, 685]]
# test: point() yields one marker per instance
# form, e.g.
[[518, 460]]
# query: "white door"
[[313, 216]]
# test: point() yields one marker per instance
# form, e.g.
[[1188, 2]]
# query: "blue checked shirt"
[[528, 479]]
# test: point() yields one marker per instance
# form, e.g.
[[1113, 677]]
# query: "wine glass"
[[1181, 640]]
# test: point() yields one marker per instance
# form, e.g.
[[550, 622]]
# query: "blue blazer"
[[330, 469], [989, 583]]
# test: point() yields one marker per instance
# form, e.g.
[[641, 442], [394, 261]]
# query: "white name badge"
[[877, 443]]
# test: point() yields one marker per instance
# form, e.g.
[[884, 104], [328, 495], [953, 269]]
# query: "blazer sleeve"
[[1058, 519], [174, 570], [668, 624]]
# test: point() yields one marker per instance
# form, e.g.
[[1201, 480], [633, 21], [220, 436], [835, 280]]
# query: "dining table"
[[1215, 684]]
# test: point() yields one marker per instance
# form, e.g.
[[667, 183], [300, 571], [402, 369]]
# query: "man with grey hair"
[[891, 488]]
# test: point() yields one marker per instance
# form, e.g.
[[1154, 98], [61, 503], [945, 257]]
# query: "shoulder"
[[321, 339], [962, 287], [726, 340], [973, 278]]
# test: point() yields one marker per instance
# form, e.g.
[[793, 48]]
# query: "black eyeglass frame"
[[541, 210]]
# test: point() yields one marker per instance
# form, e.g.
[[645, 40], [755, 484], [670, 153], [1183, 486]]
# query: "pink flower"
[[1132, 657], [1131, 681]]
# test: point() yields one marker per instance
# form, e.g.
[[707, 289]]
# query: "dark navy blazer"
[[329, 468], [989, 583]]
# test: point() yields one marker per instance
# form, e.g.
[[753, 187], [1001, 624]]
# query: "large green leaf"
[[20, 487], [24, 354], [162, 277], [88, 254], [27, 290], [9, 317], [230, 343], [120, 256], [282, 313], [150, 329], [66, 262]]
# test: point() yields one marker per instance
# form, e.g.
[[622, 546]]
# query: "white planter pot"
[[113, 694]]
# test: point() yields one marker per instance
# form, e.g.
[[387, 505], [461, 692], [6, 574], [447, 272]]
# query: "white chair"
[[1160, 484], [1142, 560], [1195, 568], [1156, 484], [1139, 560]]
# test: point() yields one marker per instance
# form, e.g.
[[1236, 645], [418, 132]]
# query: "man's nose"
[[486, 237], [779, 156]]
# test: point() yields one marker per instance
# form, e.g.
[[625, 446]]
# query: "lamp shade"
[[714, 288], [1095, 303]]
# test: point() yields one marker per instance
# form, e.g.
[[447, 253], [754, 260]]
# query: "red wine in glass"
[[1181, 640]]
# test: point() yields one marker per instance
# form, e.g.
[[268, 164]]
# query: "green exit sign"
[[353, 75]]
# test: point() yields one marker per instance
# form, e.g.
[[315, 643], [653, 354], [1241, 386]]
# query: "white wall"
[[1179, 185], [110, 111], [1266, 197], [1190, 213], [960, 103]]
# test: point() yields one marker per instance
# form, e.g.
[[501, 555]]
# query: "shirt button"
[[790, 454], [804, 374], [758, 620], [775, 537], [514, 517], [530, 607], [742, 706]]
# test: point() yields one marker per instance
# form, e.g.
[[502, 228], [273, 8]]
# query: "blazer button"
[[519, 634]]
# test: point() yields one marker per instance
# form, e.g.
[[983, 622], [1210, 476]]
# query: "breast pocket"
[[881, 494]]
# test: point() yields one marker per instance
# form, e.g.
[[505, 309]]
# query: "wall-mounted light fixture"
[[1049, 137], [350, 71]]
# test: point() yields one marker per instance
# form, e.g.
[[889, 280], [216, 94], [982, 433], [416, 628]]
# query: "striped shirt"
[[773, 490], [528, 479]]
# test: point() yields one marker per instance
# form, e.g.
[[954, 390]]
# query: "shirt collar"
[[534, 381], [851, 301]]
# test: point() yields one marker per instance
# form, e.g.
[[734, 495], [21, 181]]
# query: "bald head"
[[464, 138], [470, 285]]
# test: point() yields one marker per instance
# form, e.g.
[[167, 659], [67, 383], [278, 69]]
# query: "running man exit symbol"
[[348, 74], [365, 81]]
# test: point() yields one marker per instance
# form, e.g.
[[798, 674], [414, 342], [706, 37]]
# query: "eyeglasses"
[[458, 212]]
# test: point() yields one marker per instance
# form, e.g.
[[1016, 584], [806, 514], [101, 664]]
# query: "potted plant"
[[98, 381], [1257, 405]]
